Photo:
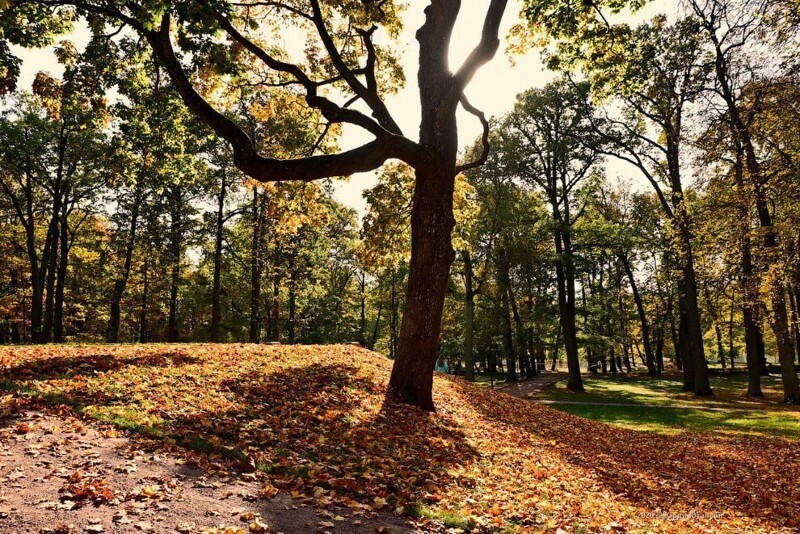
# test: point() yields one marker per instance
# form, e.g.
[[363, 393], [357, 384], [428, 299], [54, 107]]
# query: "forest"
[[170, 189]]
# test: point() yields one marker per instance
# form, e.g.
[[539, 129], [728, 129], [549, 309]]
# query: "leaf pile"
[[315, 419]]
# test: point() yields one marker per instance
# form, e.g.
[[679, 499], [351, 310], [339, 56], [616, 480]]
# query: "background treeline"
[[121, 219]]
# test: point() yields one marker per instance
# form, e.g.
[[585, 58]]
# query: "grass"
[[487, 379], [651, 398], [448, 519]]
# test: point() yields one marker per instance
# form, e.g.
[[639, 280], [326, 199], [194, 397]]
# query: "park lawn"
[[315, 420], [653, 397]]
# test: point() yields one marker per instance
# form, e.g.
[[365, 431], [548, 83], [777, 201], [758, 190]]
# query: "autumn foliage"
[[316, 420]]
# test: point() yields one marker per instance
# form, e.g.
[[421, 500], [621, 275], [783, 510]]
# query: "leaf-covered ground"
[[315, 419]]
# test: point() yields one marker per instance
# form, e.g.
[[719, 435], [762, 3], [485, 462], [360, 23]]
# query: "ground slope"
[[315, 419]]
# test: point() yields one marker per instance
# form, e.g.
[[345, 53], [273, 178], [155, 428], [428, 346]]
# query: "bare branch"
[[487, 147], [370, 96]]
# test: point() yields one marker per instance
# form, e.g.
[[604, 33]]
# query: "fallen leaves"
[[82, 492], [313, 422]]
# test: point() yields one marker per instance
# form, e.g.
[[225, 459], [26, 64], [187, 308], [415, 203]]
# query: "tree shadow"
[[694, 472], [70, 362], [320, 426]]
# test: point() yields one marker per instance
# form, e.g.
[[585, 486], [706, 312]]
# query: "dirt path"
[[60, 474], [534, 386]]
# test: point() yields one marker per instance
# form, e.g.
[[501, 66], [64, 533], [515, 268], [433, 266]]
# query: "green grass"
[[651, 396], [448, 519], [486, 379]]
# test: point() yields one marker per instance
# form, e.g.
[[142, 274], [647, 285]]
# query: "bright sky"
[[493, 90]]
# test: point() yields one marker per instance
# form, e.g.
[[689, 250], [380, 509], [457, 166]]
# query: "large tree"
[[205, 30]]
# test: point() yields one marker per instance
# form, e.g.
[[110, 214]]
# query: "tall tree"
[[547, 143], [359, 71]]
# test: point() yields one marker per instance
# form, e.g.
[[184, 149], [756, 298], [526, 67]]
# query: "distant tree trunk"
[[795, 321], [660, 350], [469, 317], [176, 252], [256, 266], [508, 340], [274, 330], [63, 258], [676, 344], [565, 282], [376, 328], [522, 346], [121, 283], [394, 319], [50, 296], [652, 369], [731, 350], [291, 327], [533, 344], [216, 290], [504, 286], [362, 297], [143, 310], [714, 313]]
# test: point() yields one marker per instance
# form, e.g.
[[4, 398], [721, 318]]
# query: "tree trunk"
[[522, 346], [291, 327], [61, 277], [731, 352], [714, 313], [175, 273], [50, 295], [216, 290], [121, 283], [143, 309], [566, 307], [432, 254], [508, 342], [376, 327], [746, 153], [652, 370], [362, 297], [791, 387], [793, 303], [469, 318], [256, 268]]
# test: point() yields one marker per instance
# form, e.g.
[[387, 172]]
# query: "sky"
[[493, 89]]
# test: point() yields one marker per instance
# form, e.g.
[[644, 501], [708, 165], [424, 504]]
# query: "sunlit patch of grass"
[[448, 519], [674, 421], [730, 391]]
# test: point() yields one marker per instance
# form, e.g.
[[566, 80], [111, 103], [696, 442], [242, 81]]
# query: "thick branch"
[[486, 49], [246, 158]]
